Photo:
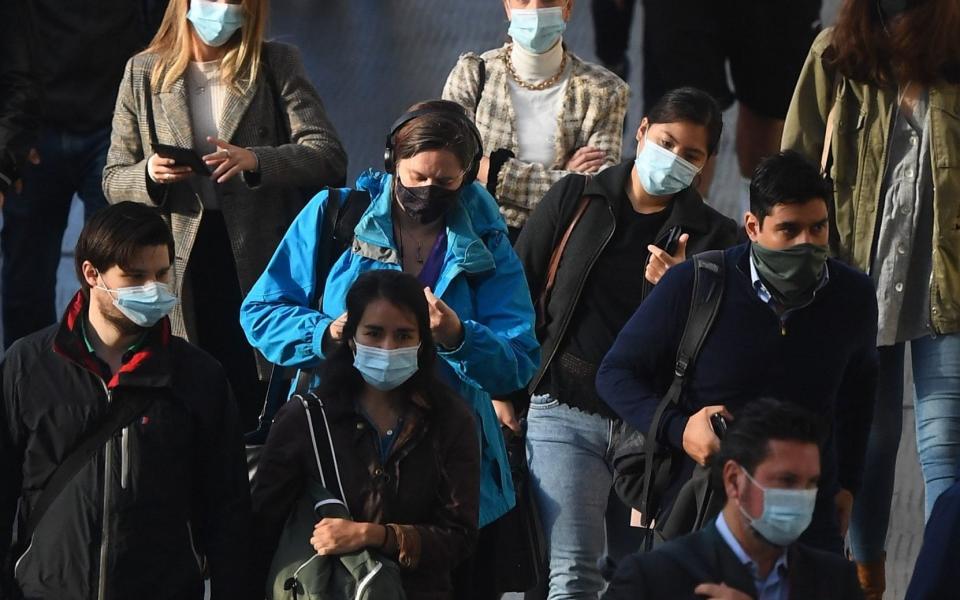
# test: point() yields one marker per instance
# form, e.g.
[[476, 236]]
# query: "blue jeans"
[[570, 453], [34, 222], [936, 376]]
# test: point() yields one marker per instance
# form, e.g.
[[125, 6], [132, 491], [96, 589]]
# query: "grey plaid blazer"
[[592, 114], [257, 212]]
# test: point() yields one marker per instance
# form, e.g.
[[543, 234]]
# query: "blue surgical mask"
[[215, 22], [537, 29], [144, 305], [661, 172], [385, 369], [786, 513]]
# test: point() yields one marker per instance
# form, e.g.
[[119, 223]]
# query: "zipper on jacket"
[[193, 547], [124, 457], [105, 526], [576, 296]]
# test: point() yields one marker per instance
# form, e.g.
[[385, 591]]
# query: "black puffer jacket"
[[175, 490]]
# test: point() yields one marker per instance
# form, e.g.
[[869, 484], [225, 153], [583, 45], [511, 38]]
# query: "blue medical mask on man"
[[385, 369], [786, 513], [537, 29], [661, 172], [215, 22], [144, 305]]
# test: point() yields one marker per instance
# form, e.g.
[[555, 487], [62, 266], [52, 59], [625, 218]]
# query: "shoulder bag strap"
[[119, 415], [482, 82], [322, 442], [557, 254], [148, 101], [708, 276]]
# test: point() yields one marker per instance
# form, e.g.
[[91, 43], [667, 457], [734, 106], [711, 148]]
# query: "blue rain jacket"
[[481, 279]]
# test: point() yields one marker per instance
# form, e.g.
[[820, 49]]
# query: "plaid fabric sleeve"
[[463, 82], [522, 185]]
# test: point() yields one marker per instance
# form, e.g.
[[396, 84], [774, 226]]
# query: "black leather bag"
[[521, 554]]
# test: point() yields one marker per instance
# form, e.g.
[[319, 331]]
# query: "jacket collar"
[[474, 217], [689, 211], [147, 365]]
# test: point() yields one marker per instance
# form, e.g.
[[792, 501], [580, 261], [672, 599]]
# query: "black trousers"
[[216, 291], [611, 26]]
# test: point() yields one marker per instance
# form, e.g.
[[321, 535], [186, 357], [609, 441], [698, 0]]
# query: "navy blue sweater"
[[822, 356]]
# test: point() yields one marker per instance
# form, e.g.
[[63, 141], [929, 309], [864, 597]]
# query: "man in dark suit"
[[768, 466]]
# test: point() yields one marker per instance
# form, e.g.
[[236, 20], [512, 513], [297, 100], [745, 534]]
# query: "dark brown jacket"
[[427, 489]]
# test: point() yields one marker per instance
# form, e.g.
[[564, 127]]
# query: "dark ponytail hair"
[[688, 104], [402, 290]]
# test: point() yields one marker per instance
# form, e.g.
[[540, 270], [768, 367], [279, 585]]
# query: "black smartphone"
[[670, 240], [184, 157], [719, 425]]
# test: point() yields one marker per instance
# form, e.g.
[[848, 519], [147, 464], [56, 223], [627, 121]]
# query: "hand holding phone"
[[182, 157], [669, 250], [719, 424]]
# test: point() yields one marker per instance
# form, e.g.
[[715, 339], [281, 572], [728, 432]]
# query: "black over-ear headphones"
[[390, 161]]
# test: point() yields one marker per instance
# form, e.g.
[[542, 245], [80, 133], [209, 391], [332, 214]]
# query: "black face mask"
[[425, 203]]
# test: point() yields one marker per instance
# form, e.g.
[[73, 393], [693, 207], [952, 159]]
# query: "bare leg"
[[757, 138]]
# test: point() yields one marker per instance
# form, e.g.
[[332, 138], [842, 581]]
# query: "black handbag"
[[643, 474], [521, 558]]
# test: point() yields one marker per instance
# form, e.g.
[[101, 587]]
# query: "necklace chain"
[[536, 87]]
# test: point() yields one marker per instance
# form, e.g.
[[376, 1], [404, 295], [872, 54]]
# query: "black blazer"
[[675, 569]]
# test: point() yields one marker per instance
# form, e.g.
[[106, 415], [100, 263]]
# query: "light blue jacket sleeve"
[[499, 352], [276, 315]]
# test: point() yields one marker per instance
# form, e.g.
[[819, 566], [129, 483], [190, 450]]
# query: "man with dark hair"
[[119, 442], [769, 468], [792, 323]]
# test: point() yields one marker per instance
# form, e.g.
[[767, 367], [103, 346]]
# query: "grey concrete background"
[[370, 59]]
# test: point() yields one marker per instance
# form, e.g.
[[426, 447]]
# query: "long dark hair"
[[921, 44], [404, 291]]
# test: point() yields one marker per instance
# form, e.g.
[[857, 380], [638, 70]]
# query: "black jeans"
[[217, 297]]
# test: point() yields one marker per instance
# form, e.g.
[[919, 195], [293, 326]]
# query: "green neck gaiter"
[[791, 274]]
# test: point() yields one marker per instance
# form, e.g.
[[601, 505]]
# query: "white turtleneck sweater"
[[537, 112]]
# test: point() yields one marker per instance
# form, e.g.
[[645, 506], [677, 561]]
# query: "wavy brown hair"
[[920, 45]]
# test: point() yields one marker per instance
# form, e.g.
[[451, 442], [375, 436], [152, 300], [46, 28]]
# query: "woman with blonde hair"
[[224, 133]]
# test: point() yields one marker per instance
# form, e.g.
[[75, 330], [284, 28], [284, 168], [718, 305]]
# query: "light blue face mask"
[[215, 22], [385, 369], [661, 172], [537, 29], [786, 513], [144, 305]]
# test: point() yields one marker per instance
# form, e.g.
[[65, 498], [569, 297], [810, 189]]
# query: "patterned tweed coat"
[[592, 113], [298, 150]]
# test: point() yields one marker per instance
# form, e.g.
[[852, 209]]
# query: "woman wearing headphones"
[[427, 217]]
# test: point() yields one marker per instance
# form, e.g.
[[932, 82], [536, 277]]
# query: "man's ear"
[[90, 274], [752, 225], [731, 473], [567, 10]]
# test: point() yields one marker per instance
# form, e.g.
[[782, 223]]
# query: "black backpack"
[[643, 474], [336, 235]]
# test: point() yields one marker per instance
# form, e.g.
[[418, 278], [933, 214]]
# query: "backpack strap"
[[322, 442], [708, 276], [118, 416]]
